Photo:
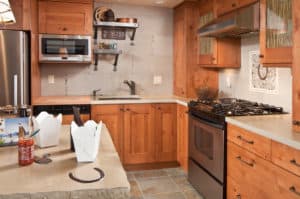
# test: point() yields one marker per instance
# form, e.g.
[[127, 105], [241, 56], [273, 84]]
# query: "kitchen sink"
[[118, 97]]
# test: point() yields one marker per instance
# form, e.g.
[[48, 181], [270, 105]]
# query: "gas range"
[[216, 110]]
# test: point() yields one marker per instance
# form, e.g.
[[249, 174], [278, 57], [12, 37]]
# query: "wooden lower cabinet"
[[182, 136], [142, 133], [67, 119], [139, 143], [250, 176], [112, 117]]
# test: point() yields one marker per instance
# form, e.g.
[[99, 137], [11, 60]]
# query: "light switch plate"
[[51, 79], [157, 80]]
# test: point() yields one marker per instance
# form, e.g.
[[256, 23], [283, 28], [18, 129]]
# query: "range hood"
[[235, 24]]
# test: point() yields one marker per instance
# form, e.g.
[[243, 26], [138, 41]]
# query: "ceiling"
[[160, 3]]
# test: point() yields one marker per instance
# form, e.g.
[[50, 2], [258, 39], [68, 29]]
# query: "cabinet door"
[[67, 119], [276, 32], [139, 129], [207, 51], [65, 18], [165, 139], [182, 136], [225, 6], [180, 71], [112, 117]]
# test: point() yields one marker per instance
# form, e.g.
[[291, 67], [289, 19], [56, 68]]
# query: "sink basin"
[[119, 97]]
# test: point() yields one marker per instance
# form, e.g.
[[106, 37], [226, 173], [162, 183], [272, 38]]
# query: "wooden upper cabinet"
[[226, 6], [65, 18], [22, 11], [166, 134], [276, 33], [216, 52], [139, 134], [112, 117]]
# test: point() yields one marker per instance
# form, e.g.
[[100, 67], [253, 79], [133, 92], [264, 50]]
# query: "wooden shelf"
[[113, 52]]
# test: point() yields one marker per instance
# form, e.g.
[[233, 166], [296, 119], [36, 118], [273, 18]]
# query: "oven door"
[[65, 48], [206, 146]]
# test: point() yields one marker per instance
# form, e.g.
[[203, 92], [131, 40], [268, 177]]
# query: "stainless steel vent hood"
[[235, 24]]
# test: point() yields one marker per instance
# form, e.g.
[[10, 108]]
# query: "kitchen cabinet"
[[112, 117], [216, 52], [139, 134], [142, 133], [22, 11], [226, 6], [296, 66], [276, 33], [182, 136], [65, 18], [188, 76], [250, 175], [166, 134], [67, 119]]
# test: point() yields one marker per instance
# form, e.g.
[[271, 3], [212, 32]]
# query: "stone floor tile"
[[182, 183], [175, 171], [150, 174], [130, 176], [157, 186], [192, 194], [175, 195], [135, 192]]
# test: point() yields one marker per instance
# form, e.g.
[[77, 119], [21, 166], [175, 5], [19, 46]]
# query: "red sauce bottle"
[[25, 148]]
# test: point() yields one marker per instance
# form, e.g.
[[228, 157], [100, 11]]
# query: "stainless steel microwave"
[[65, 48]]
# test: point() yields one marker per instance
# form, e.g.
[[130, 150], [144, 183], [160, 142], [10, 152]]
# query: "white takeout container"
[[50, 128], [86, 140]]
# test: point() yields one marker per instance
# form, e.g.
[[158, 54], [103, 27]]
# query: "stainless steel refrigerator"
[[14, 68]]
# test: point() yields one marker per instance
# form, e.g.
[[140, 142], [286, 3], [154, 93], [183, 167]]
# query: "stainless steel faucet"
[[95, 92], [131, 85]]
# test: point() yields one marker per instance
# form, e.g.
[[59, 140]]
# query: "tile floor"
[[161, 184]]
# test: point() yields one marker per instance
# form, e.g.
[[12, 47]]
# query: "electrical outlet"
[[157, 80], [51, 79]]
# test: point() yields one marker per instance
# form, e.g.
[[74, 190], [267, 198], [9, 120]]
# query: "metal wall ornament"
[[6, 13]]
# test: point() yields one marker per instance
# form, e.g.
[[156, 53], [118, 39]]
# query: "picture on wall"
[[262, 79]]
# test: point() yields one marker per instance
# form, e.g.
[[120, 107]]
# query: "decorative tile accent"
[[270, 83]]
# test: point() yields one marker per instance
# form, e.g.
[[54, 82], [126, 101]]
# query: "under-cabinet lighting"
[[6, 13]]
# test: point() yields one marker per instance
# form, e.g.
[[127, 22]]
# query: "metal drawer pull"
[[294, 162], [251, 164], [293, 190], [244, 140], [238, 196]]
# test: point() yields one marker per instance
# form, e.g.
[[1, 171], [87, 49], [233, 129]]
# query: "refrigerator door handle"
[[15, 90]]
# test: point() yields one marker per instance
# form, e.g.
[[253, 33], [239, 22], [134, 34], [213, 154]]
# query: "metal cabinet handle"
[[261, 56], [244, 140], [251, 164], [294, 162], [65, 29], [296, 123], [127, 109], [121, 109], [238, 196], [293, 190]]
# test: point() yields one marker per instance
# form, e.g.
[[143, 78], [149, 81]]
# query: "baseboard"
[[149, 166]]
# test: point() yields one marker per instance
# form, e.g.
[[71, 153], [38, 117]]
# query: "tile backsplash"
[[236, 83], [151, 54]]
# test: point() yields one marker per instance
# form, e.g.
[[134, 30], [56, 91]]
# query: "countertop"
[[276, 127], [69, 100], [54, 176]]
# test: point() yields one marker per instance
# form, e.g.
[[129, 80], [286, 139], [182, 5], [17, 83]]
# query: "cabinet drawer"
[[286, 157], [257, 144]]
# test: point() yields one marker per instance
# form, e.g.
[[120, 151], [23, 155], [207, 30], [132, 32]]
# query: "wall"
[[240, 80], [151, 55]]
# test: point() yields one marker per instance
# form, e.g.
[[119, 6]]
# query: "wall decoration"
[[262, 79]]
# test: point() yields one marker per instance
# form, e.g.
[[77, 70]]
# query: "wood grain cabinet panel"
[[139, 134], [252, 142], [67, 119], [226, 6], [276, 33], [286, 157], [65, 18], [166, 134], [112, 117], [182, 136]]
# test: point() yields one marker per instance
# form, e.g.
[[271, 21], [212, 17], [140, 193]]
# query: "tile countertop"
[[53, 177], [276, 127], [69, 100]]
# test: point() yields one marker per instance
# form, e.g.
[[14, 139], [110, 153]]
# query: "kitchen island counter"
[[275, 127], [52, 180]]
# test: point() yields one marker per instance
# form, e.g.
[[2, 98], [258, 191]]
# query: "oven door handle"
[[219, 126]]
